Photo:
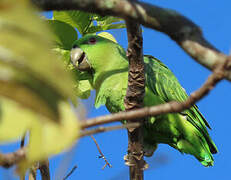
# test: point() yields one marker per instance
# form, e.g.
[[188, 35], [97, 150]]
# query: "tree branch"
[[134, 98], [10, 159], [110, 128], [182, 30]]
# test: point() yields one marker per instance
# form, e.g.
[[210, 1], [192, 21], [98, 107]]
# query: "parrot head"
[[96, 53]]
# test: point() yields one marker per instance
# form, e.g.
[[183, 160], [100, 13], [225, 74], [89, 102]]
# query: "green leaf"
[[77, 19], [94, 29], [105, 23], [103, 20], [65, 55], [84, 21], [64, 34], [83, 89], [83, 81]]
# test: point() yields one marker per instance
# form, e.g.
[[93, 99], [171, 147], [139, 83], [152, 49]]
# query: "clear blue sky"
[[214, 19]]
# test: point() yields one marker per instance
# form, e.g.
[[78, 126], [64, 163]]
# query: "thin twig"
[[101, 154], [70, 173], [110, 128]]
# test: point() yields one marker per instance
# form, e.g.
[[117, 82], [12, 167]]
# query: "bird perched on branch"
[[105, 61]]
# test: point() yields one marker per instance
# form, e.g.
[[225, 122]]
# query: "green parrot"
[[105, 61]]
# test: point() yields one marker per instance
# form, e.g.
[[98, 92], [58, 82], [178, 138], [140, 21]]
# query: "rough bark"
[[134, 98]]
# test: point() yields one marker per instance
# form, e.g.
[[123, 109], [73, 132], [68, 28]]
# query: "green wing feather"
[[164, 84]]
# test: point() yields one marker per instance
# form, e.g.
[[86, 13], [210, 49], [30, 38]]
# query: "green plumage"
[[108, 65]]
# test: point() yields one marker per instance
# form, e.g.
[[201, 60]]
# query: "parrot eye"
[[92, 41]]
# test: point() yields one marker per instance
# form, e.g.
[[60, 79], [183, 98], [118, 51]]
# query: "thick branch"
[[182, 30], [136, 77], [134, 98]]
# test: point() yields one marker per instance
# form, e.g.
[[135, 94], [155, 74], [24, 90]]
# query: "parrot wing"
[[164, 84]]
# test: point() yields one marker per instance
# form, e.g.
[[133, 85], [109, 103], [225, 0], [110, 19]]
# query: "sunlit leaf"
[[103, 20], [107, 36], [94, 29], [105, 23], [77, 19], [65, 55], [83, 89], [64, 34]]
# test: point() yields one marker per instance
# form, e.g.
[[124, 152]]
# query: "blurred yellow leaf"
[[46, 137], [54, 137], [25, 45], [34, 85], [14, 120]]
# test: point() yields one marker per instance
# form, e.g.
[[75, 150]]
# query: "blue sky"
[[213, 17]]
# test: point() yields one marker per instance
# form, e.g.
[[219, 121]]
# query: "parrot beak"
[[79, 59]]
